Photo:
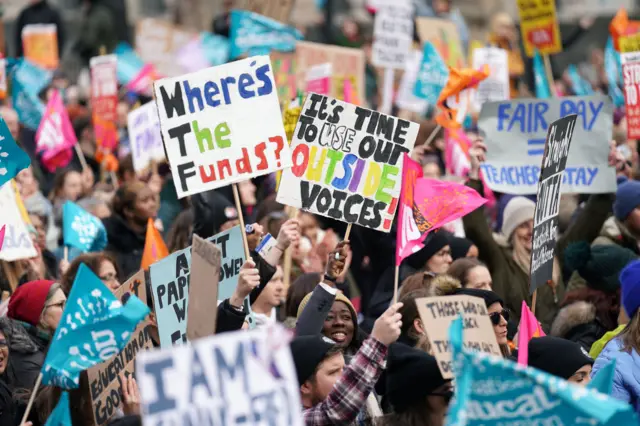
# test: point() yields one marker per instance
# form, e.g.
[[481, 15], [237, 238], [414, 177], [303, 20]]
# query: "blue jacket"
[[626, 379]]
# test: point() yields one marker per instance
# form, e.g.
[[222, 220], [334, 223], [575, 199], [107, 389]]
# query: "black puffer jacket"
[[125, 244], [27, 351]]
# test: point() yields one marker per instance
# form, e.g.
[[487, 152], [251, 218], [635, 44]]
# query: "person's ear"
[[306, 388], [417, 324]]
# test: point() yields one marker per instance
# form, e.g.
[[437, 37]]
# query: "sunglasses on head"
[[495, 316]]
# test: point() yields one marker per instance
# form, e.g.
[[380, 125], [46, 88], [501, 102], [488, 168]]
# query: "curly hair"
[[93, 261]]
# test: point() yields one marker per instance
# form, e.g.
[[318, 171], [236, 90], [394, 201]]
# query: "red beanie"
[[27, 302]]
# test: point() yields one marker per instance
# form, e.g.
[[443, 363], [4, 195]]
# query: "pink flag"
[[428, 205], [529, 328], [55, 137], [4, 228], [143, 82]]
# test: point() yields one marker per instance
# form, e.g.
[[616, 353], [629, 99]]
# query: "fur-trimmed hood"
[[18, 337], [571, 316]]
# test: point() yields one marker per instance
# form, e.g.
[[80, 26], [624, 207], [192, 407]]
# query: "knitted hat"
[[518, 211], [489, 297], [630, 280], [27, 302], [557, 356], [308, 352], [434, 243], [599, 265], [459, 247], [627, 199], [411, 376], [340, 297]]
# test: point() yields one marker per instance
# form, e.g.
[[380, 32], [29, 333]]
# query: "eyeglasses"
[[109, 278], [495, 316]]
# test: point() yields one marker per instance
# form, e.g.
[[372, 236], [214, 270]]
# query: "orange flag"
[[621, 26], [154, 247], [459, 80]]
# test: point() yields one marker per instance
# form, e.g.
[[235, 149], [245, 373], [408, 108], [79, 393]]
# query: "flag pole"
[[533, 301], [81, 156], [245, 242], [433, 134], [549, 72], [31, 399], [348, 232], [396, 277], [288, 254], [66, 253]]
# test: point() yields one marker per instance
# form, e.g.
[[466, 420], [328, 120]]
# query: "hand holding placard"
[[248, 279]]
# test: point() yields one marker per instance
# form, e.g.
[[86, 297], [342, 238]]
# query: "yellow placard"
[[630, 43], [539, 26], [40, 45]]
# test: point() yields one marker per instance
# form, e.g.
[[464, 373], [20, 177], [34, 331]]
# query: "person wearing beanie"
[[561, 358], [37, 307], [462, 248], [508, 253], [623, 228], [332, 394], [415, 388], [624, 348]]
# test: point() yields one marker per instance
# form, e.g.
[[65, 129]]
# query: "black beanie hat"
[[489, 296], [459, 247], [211, 210], [557, 356], [435, 242], [412, 375], [308, 352]]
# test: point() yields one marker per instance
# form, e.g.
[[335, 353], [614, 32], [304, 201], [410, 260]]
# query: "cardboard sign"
[[631, 77], [144, 137], [225, 379], [393, 35], [104, 387], [444, 36], [347, 162], [17, 241], [170, 284], [40, 45], [539, 27], [346, 63], [496, 86], [437, 314], [515, 133], [104, 99], [319, 79], [545, 222], [159, 42], [280, 10], [203, 289], [222, 125]]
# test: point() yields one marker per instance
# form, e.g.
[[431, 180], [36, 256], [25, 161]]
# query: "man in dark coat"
[[38, 12]]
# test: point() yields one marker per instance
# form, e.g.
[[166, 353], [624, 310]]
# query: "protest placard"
[[283, 65], [545, 221], [104, 387], [3, 78], [496, 86], [144, 137], [347, 162], [515, 133], [170, 284], [280, 10], [104, 99], [158, 42], [222, 379], [444, 36], [40, 45], [437, 314], [17, 241], [629, 43], [406, 98], [346, 63], [319, 79], [203, 289], [253, 34], [393, 35], [222, 125], [539, 27], [631, 77]]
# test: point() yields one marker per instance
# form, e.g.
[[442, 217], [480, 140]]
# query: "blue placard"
[[254, 34]]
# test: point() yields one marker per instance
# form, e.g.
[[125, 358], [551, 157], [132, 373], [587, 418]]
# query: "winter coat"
[[98, 30], [615, 232], [125, 244], [510, 281], [577, 322], [626, 379], [27, 352], [38, 13]]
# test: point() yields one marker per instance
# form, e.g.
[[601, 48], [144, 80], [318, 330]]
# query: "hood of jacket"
[[571, 316], [617, 232], [19, 338], [121, 237]]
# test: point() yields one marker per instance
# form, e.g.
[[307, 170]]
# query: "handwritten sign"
[[437, 314], [631, 78], [496, 86], [222, 125], [347, 162], [393, 35], [225, 379], [17, 241], [539, 26], [170, 284], [104, 99], [319, 79], [515, 133], [159, 42], [203, 290], [40, 45], [145, 137], [545, 222], [104, 387]]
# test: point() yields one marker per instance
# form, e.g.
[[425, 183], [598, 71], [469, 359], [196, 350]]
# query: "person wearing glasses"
[[37, 306], [102, 264]]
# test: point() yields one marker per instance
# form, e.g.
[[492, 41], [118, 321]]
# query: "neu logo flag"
[[81, 229], [12, 158], [255, 34], [94, 327]]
